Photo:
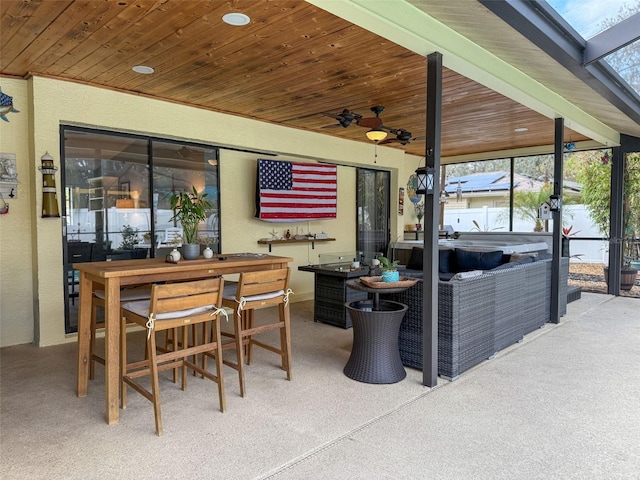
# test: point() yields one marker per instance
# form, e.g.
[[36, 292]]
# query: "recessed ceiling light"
[[143, 69], [236, 19], [521, 129]]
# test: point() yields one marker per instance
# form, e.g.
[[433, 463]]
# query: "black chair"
[[77, 252]]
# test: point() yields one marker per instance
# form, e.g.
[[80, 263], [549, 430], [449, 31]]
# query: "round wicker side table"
[[375, 357]]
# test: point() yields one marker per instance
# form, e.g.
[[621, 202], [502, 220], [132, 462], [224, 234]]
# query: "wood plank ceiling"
[[292, 62]]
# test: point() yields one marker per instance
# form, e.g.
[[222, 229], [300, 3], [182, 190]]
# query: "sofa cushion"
[[522, 261], [467, 260], [445, 260], [446, 276], [415, 261]]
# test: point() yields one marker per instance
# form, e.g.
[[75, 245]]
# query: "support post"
[[616, 233], [431, 230], [558, 174]]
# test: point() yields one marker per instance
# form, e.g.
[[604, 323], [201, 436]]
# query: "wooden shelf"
[[312, 241]]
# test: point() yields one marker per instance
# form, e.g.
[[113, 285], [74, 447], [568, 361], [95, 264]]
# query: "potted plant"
[[389, 270], [566, 236], [129, 237], [190, 208], [207, 242], [419, 210]]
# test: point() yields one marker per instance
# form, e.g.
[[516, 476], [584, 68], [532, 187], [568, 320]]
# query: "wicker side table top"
[[356, 284]]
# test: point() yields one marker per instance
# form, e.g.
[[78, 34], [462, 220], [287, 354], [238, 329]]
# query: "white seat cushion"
[[263, 296], [142, 308]]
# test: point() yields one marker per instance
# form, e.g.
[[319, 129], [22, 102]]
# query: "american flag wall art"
[[290, 191]]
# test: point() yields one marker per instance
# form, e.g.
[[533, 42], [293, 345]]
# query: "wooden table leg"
[[84, 333], [112, 350]]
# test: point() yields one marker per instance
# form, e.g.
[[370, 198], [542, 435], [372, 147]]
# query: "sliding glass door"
[[116, 198], [373, 210]]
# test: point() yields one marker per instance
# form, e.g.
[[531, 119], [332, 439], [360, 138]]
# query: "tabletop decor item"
[[174, 256], [377, 282], [389, 270], [190, 208]]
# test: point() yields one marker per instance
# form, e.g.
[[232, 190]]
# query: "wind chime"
[[49, 195]]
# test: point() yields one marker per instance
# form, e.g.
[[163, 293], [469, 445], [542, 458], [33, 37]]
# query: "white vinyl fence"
[[495, 219]]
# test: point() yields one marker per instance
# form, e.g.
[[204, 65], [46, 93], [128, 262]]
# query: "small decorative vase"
[[190, 251], [389, 277], [174, 255], [207, 253]]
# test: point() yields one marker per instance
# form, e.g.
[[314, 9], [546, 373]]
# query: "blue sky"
[[586, 16]]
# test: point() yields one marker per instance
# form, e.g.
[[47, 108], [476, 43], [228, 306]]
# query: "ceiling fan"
[[402, 136], [347, 117], [378, 131]]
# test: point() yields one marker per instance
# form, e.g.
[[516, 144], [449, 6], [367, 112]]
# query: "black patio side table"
[[375, 357]]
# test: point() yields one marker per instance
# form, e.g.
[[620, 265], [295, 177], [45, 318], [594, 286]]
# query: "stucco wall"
[[16, 268], [54, 102]]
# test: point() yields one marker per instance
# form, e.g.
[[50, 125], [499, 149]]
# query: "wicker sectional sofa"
[[480, 315]]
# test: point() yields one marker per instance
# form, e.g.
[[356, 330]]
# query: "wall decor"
[[49, 194], [401, 201], [6, 105], [412, 189], [294, 192], [8, 175]]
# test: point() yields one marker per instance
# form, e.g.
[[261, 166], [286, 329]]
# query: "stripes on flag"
[[289, 191]]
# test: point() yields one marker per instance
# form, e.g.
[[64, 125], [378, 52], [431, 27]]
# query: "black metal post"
[[432, 206], [616, 234], [558, 174], [512, 174]]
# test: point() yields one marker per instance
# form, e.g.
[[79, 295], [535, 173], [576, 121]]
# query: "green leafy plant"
[[129, 237], [418, 208], [190, 208], [594, 173], [388, 265]]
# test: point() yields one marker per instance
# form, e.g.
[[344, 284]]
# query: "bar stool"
[[97, 301], [174, 306], [258, 290]]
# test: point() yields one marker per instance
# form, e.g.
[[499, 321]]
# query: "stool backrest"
[[173, 297], [262, 282]]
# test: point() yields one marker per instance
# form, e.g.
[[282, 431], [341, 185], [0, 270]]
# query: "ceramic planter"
[[190, 251], [389, 277]]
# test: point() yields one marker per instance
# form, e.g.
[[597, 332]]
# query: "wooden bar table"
[[112, 276]]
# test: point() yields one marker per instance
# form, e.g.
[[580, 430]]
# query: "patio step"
[[573, 294]]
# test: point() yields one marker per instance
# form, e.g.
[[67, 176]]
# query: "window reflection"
[[115, 208]]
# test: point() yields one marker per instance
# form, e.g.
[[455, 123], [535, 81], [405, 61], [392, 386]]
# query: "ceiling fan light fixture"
[[375, 134]]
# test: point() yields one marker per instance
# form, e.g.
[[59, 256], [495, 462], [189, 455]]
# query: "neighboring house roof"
[[487, 182]]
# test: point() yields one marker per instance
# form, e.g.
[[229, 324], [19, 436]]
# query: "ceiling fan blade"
[[389, 140], [337, 116], [419, 139], [334, 125], [371, 122]]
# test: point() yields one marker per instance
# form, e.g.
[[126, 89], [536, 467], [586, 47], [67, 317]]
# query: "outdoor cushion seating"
[[455, 260], [482, 314]]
